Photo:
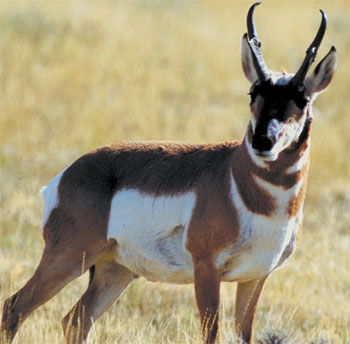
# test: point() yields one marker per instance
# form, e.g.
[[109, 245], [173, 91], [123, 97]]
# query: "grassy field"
[[80, 74]]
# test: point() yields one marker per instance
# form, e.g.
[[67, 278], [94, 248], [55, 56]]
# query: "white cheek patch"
[[50, 194], [278, 147], [293, 129], [291, 133], [300, 127]]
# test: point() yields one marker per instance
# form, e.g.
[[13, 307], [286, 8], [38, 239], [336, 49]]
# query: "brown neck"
[[245, 170]]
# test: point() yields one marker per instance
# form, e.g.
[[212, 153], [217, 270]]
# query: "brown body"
[[76, 237]]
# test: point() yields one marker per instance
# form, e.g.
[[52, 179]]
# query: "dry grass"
[[79, 74]]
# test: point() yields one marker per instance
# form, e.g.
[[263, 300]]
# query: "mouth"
[[264, 155]]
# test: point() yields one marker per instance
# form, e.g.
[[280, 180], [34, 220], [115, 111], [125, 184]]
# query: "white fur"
[[150, 233], [262, 240], [291, 132], [301, 162], [50, 194], [257, 161], [253, 122], [281, 196], [247, 60]]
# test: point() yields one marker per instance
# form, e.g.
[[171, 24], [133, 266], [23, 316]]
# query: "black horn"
[[251, 26], [255, 44], [311, 52]]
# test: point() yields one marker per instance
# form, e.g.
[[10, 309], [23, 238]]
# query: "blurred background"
[[80, 74]]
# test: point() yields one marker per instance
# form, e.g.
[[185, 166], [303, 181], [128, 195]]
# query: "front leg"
[[246, 301], [207, 289]]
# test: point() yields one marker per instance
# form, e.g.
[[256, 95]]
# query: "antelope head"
[[281, 103]]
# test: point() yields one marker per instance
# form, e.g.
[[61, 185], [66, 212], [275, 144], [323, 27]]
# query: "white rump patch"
[[50, 195]]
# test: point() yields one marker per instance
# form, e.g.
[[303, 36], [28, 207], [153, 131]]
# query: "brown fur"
[[293, 153], [247, 297], [56, 268], [108, 282], [214, 224], [76, 231], [255, 198], [276, 172], [296, 202], [207, 289], [88, 185], [156, 168]]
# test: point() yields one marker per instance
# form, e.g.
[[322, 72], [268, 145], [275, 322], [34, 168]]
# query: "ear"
[[323, 73], [247, 60]]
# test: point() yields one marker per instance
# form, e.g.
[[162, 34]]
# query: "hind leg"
[[50, 277], [55, 270], [108, 280]]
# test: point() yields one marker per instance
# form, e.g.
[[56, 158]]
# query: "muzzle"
[[266, 136]]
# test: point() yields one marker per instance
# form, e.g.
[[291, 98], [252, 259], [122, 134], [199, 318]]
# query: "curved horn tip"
[[250, 22], [324, 15], [252, 7]]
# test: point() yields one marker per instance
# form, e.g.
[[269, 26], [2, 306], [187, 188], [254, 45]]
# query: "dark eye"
[[301, 102], [301, 99], [252, 96]]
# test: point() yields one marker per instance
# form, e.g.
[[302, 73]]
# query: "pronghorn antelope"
[[184, 213]]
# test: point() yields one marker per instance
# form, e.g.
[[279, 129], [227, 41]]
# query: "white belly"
[[260, 248], [150, 232]]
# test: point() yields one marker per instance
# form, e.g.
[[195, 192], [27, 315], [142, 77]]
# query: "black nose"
[[262, 143]]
